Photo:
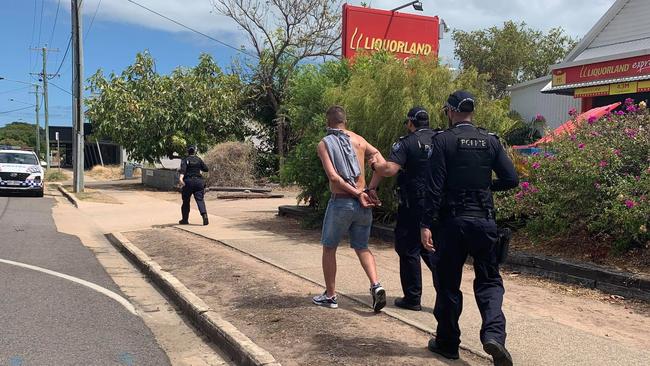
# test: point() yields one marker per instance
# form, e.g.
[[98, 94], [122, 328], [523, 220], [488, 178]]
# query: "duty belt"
[[480, 213]]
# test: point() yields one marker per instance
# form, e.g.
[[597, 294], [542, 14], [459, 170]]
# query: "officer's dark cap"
[[191, 149], [460, 101], [418, 116]]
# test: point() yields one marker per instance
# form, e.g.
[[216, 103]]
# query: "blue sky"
[[121, 29]]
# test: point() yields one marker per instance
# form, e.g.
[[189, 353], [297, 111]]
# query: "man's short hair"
[[335, 115]]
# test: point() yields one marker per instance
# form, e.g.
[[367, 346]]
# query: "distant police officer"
[[459, 209], [192, 183], [410, 158]]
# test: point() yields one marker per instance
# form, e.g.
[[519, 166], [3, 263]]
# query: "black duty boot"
[[183, 222], [499, 353], [435, 348], [205, 219], [401, 303]]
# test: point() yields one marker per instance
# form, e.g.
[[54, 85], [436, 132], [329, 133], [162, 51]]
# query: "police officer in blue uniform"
[[459, 209], [409, 157], [192, 182]]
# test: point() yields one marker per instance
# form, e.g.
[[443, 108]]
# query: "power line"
[[16, 110], [192, 29], [92, 20], [40, 26], [56, 17], [63, 60], [31, 41], [60, 88], [15, 90]]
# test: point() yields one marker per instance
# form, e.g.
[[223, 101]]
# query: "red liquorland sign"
[[405, 35], [627, 67]]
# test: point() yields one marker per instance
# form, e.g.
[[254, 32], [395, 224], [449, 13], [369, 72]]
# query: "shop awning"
[[635, 84]]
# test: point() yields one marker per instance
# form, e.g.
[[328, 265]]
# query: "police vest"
[[469, 173], [193, 167], [418, 155]]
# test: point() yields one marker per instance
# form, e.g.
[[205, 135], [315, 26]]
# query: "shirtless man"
[[343, 154]]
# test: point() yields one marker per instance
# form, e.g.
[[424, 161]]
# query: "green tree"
[[21, 134], [377, 91], [511, 54], [154, 115]]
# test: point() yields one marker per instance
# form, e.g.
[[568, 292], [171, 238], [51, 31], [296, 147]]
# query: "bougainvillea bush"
[[595, 180]]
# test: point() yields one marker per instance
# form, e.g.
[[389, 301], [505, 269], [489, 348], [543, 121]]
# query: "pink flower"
[[519, 195], [631, 108], [631, 133], [630, 203], [629, 101], [620, 113], [572, 137], [539, 117], [617, 152], [597, 185], [534, 190], [573, 112], [525, 185], [547, 155], [536, 165], [581, 146], [595, 133], [592, 120], [602, 163]]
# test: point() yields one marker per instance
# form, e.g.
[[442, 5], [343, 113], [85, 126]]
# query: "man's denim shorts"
[[346, 215]]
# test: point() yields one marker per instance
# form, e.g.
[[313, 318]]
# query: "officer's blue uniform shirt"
[[445, 145]]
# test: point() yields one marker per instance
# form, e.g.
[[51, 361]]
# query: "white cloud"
[[575, 16]]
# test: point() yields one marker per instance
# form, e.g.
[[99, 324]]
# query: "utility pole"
[[77, 95], [38, 126], [44, 76]]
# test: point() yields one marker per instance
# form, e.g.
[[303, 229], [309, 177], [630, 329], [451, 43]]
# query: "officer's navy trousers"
[[456, 238], [409, 248], [196, 187]]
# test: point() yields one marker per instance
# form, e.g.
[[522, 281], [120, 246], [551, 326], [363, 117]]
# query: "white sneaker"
[[325, 301], [378, 297]]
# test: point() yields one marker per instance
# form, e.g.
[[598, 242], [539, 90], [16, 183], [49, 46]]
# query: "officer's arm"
[[504, 169], [182, 170], [396, 160], [203, 166], [334, 177], [431, 188]]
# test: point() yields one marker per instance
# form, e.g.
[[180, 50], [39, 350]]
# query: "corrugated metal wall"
[[528, 101]]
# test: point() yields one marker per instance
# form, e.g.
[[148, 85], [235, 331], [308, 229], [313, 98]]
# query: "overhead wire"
[[92, 20], [56, 17], [31, 41], [19, 109], [192, 29], [15, 90], [60, 88], [65, 54], [40, 26]]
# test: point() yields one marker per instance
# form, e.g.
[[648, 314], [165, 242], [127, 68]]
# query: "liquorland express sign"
[[601, 71], [405, 35]]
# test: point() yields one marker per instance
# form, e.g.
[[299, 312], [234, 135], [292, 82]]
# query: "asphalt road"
[[49, 320]]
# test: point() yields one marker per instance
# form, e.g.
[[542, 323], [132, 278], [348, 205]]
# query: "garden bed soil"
[[584, 248], [274, 308]]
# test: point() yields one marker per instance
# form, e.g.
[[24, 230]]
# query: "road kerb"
[[68, 195], [225, 335]]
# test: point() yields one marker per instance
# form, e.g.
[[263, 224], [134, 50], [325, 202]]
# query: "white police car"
[[21, 171]]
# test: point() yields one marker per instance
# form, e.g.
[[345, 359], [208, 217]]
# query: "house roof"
[[624, 29]]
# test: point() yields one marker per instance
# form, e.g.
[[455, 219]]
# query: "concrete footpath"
[[547, 324]]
